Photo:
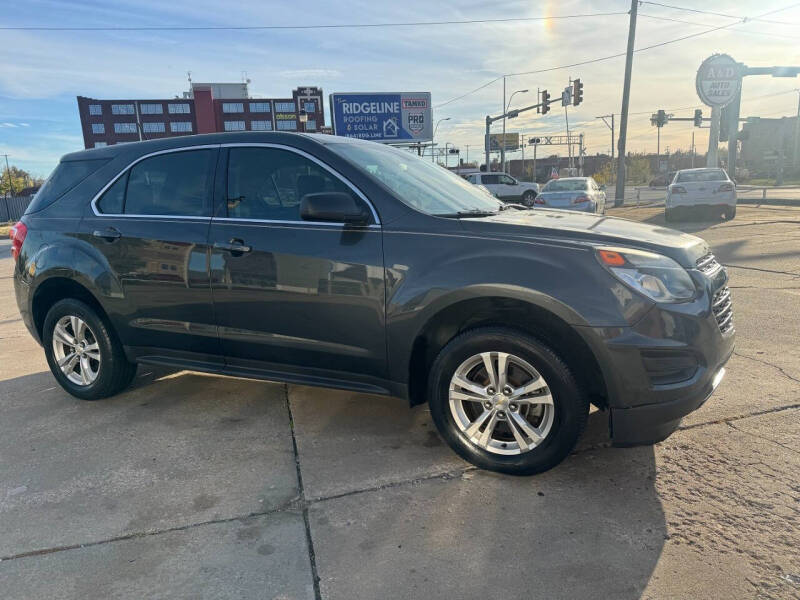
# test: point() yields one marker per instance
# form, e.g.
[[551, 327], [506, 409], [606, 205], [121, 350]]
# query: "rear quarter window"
[[64, 177]]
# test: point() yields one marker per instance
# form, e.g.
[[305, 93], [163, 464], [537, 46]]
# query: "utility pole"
[[503, 149], [796, 153], [611, 127], [619, 197], [693, 151], [10, 179], [569, 141]]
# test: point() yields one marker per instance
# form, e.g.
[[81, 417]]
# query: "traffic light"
[[661, 118], [698, 118], [545, 102], [577, 92]]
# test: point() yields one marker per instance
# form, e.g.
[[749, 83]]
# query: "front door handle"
[[109, 234], [234, 246]]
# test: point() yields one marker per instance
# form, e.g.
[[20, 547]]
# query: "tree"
[[14, 179], [638, 170]]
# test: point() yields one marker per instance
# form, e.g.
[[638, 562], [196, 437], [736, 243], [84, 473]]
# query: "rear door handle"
[[234, 246], [109, 234]]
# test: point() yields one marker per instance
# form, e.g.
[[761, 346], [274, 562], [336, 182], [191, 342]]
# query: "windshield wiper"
[[476, 212]]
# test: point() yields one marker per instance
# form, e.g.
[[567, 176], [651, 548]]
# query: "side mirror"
[[333, 207]]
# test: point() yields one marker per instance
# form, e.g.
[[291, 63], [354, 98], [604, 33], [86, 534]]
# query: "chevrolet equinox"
[[326, 261]]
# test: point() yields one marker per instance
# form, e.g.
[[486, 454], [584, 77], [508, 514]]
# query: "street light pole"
[[506, 105], [433, 137]]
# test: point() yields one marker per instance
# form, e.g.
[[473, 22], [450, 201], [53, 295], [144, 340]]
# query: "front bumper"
[[664, 367]]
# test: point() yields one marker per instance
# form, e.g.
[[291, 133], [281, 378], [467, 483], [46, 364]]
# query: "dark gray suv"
[[325, 261]]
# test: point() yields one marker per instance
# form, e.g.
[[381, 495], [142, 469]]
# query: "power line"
[[739, 29], [292, 27], [613, 56], [727, 16]]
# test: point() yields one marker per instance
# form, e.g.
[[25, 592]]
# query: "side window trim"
[[318, 162], [124, 172]]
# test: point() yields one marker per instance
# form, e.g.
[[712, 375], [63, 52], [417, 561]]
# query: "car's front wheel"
[[528, 198], [730, 213], [84, 356], [506, 402]]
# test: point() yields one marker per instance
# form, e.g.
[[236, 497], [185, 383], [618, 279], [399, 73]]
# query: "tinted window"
[[113, 200], [65, 177], [177, 183], [490, 179], [267, 183], [566, 185], [704, 175]]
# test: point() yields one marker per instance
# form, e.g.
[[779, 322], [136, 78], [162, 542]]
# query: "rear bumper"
[[22, 291], [681, 201]]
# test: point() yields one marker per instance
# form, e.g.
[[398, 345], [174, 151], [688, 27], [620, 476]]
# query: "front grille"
[[722, 307], [708, 264]]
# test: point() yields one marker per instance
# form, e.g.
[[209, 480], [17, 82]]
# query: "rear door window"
[[490, 179], [177, 183]]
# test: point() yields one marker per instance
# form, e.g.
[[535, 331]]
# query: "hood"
[[591, 229]]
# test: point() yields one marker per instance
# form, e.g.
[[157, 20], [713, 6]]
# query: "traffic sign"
[[496, 141], [718, 80]]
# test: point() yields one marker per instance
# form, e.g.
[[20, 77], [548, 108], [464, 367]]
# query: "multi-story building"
[[106, 122]]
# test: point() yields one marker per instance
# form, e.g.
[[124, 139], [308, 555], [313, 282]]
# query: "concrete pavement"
[[194, 486]]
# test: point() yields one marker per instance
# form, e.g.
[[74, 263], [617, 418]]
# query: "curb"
[[770, 201]]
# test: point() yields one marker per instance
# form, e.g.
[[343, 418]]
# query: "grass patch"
[[4, 229]]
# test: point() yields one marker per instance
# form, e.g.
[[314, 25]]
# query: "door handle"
[[234, 246], [109, 234]]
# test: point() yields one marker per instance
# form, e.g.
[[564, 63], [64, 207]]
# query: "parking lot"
[[197, 486]]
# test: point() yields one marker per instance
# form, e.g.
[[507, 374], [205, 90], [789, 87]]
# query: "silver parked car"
[[573, 193]]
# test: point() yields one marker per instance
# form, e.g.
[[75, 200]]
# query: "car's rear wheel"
[[84, 356], [730, 213], [506, 402], [528, 198]]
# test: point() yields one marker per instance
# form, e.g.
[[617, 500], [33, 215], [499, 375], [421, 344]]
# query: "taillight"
[[17, 234], [677, 189], [725, 187], [580, 199], [538, 200]]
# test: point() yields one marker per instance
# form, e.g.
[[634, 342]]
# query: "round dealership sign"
[[718, 80]]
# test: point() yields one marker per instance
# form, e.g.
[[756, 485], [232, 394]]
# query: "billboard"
[[383, 117], [496, 141], [718, 80]]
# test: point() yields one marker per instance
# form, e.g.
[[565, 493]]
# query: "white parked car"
[[506, 188], [707, 188]]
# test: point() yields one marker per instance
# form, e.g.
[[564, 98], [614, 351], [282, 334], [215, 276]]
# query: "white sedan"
[[701, 188]]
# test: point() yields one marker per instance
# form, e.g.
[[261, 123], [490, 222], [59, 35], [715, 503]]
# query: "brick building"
[[107, 122]]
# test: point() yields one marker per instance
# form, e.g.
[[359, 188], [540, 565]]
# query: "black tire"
[[669, 215], [528, 198], [570, 402], [730, 213], [115, 372]]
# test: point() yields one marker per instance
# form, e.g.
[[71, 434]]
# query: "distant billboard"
[[383, 117], [496, 141]]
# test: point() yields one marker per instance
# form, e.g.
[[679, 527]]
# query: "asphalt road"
[[193, 486]]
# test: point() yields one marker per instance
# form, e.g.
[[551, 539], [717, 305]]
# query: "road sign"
[[496, 141], [383, 117], [719, 80], [566, 96]]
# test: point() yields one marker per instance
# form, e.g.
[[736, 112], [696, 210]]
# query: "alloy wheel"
[[76, 350], [501, 403]]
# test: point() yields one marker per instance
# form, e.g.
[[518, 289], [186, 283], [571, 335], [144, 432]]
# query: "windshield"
[[566, 185], [706, 175], [417, 182]]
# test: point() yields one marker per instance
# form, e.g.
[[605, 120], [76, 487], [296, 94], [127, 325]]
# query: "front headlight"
[[656, 276]]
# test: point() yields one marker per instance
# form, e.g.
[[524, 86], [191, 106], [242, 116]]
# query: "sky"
[[42, 72]]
